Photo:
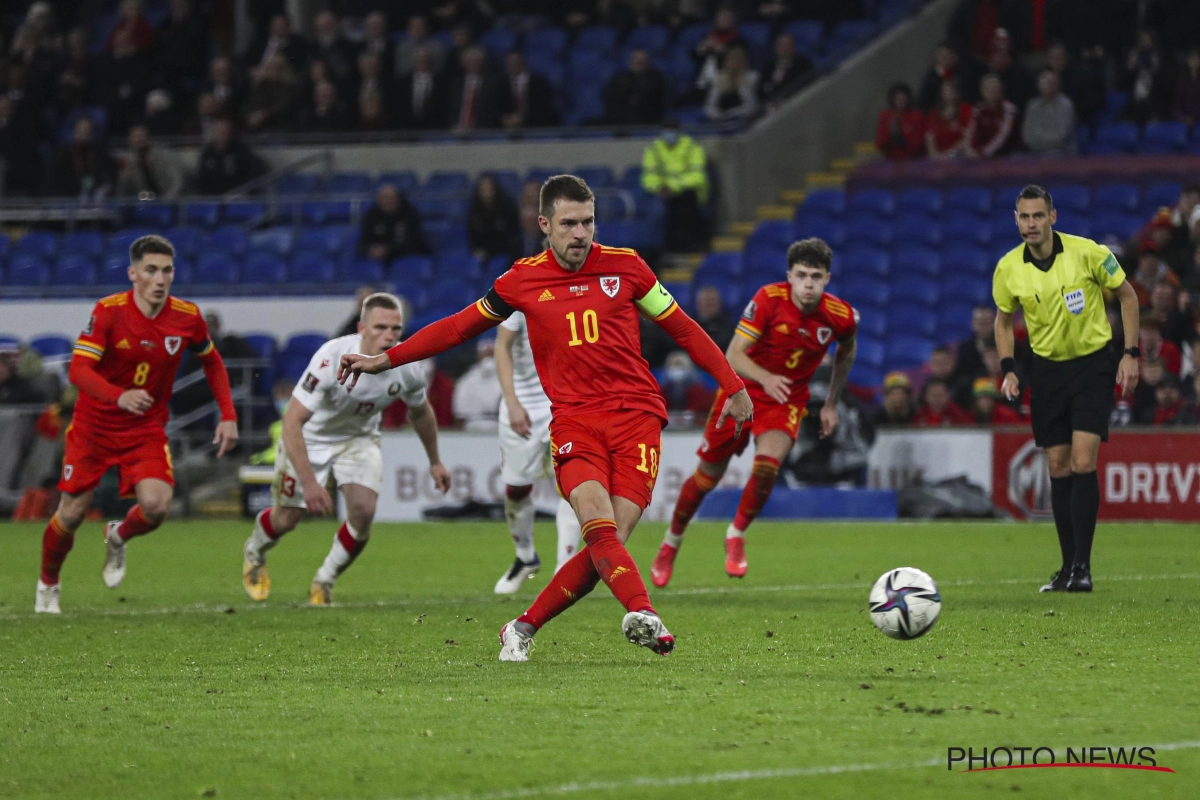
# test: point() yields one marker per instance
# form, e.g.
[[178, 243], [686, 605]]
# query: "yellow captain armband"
[[657, 303]]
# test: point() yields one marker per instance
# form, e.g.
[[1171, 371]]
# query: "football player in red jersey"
[[781, 338], [124, 365], [581, 302]]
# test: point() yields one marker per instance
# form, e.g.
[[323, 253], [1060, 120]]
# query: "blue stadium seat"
[[279, 239], [264, 266], [596, 177], [808, 34], [864, 375], [1073, 223], [51, 346], [186, 240], [298, 185], [618, 233], [445, 293], [880, 202], [326, 212], [1164, 137], [965, 289], [921, 200], [596, 38], [539, 175], [203, 213], [263, 344], [361, 270], [498, 41], [243, 213], [916, 262], [1072, 197], [4, 246], [962, 228], [682, 292], [155, 214], [851, 32], [1119, 136], [954, 319], [82, 243], [509, 182], [726, 264], [873, 325], [917, 229], [734, 293], [412, 269], [862, 262], [229, 239], [549, 65], [1122, 226], [906, 320], [826, 201], [903, 352], [217, 267], [75, 270], [1157, 195], [311, 268], [114, 270], [965, 260], [832, 231], [1116, 197], [448, 181], [40, 244], [350, 183], [651, 38], [970, 199], [776, 233], [120, 241], [298, 351], [869, 230], [631, 179], [863, 292], [404, 180], [919, 291], [1004, 229], [610, 207], [28, 270], [459, 266]]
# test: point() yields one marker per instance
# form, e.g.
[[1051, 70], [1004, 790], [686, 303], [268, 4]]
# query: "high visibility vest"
[[679, 168]]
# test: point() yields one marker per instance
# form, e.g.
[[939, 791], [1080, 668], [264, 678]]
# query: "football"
[[905, 603]]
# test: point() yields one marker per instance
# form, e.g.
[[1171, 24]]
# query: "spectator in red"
[[132, 32], [1018, 86], [1153, 345], [1170, 401], [1173, 309], [681, 388], [1186, 108], [1151, 271], [940, 366], [993, 121], [710, 51], [988, 410], [938, 410], [946, 126], [945, 67], [900, 133]]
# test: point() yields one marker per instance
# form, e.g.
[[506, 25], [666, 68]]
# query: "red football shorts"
[[720, 444], [86, 460], [617, 449]]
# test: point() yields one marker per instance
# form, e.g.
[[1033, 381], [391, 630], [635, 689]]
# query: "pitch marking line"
[[202, 608], [717, 777]]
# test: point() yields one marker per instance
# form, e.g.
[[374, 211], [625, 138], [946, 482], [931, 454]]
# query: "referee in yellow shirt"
[[1060, 281]]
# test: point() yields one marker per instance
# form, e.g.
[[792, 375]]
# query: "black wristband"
[[1008, 365], [1136, 352]]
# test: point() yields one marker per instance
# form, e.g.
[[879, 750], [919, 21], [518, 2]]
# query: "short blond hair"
[[380, 300]]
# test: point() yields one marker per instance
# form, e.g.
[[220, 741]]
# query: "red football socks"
[[573, 581], [616, 567], [758, 489], [56, 543], [691, 495], [264, 522], [135, 524]]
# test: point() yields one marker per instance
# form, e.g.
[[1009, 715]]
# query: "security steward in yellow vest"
[[673, 167], [1060, 282]]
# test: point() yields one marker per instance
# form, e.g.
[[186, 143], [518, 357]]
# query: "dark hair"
[[151, 243], [378, 300], [1190, 188], [811, 252], [1035, 192], [942, 349], [899, 86], [563, 187]]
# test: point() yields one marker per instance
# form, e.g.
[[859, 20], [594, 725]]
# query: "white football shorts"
[[524, 462], [358, 461]]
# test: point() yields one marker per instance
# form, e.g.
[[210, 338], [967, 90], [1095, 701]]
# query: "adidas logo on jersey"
[[546, 295], [123, 344], [781, 328]]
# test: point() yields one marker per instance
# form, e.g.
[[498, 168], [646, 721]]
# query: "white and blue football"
[[905, 603]]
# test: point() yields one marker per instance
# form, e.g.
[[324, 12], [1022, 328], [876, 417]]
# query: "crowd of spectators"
[[1020, 75]]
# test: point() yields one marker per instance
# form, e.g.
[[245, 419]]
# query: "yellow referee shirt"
[[1062, 296]]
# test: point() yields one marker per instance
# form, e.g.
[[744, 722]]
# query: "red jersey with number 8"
[[787, 341], [135, 352]]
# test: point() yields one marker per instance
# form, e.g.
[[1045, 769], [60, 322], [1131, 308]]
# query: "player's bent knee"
[[284, 519], [156, 510]]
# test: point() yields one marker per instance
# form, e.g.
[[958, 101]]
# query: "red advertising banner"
[[1144, 475]]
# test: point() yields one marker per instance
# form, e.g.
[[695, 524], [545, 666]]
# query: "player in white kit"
[[525, 453], [329, 429]]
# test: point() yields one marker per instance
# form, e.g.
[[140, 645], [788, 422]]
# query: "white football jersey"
[[340, 415], [526, 382]]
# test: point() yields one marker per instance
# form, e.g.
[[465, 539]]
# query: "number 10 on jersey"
[[591, 328]]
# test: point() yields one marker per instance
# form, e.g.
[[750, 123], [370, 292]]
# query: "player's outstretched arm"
[[226, 437], [431, 340], [843, 360], [316, 497], [424, 422]]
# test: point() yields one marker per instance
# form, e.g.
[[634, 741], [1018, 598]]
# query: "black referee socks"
[[1060, 501], [1085, 507]]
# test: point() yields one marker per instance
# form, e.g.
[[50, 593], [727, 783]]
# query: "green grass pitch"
[[175, 685]]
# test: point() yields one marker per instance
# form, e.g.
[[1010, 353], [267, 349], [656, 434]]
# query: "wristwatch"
[[1136, 352]]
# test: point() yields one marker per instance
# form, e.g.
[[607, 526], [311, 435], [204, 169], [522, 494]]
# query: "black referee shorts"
[[1075, 395]]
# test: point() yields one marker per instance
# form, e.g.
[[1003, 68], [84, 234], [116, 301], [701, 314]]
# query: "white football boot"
[[518, 573], [46, 601], [515, 643], [114, 557], [647, 630]]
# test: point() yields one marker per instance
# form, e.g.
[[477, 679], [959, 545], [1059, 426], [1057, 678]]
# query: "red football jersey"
[[134, 352], [788, 342], [584, 328]]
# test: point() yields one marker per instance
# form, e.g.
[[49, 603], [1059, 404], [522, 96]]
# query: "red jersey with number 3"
[[584, 328], [134, 352], [788, 342]]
